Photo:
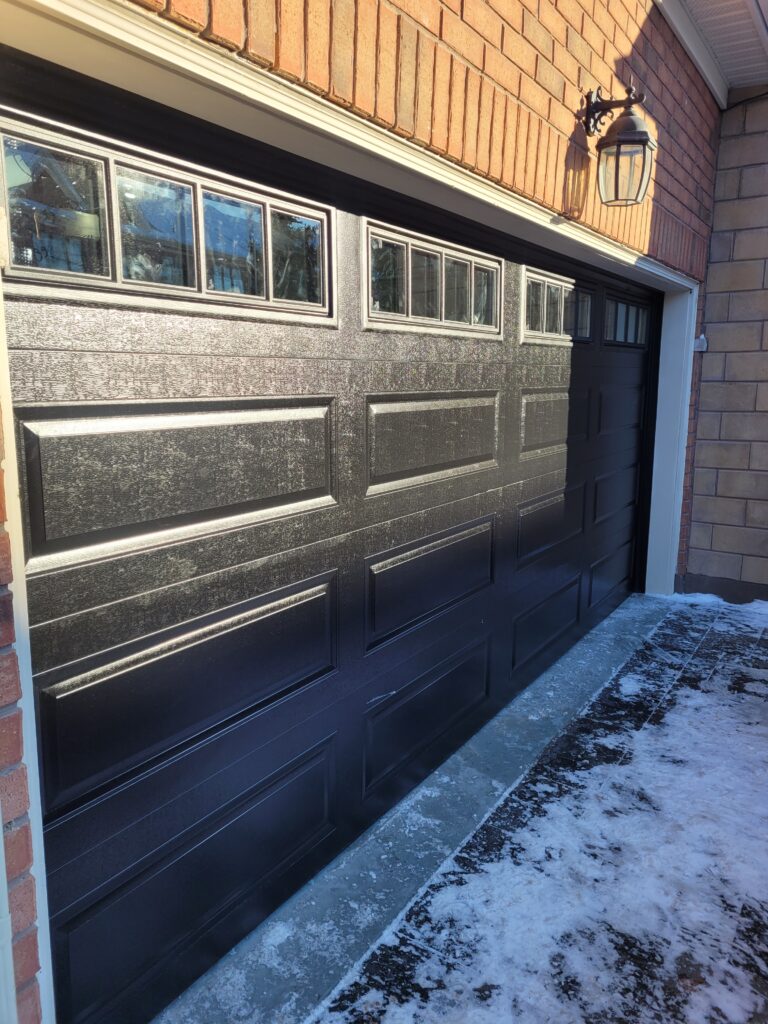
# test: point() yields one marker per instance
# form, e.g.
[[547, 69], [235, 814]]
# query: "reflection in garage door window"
[[157, 237], [425, 284], [456, 291], [296, 258], [234, 245], [484, 308], [534, 305], [577, 314], [387, 276], [55, 209]]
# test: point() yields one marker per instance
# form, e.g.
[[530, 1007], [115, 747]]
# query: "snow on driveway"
[[625, 879]]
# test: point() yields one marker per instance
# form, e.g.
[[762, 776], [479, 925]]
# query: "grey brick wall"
[[729, 528]]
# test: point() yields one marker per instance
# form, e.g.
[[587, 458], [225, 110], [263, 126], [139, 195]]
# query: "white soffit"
[[727, 40]]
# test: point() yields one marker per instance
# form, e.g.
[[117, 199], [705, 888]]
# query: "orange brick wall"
[[14, 797], [493, 85]]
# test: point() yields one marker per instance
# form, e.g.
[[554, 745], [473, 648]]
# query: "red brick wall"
[[493, 85], [14, 796]]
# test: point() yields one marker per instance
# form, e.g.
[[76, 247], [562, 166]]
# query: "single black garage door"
[[314, 483]]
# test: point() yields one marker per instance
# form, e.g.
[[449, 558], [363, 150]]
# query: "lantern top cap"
[[628, 128]]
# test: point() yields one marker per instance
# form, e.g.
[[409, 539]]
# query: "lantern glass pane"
[[630, 173], [646, 176], [606, 175]]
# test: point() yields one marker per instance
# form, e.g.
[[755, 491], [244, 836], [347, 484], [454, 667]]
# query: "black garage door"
[[313, 484]]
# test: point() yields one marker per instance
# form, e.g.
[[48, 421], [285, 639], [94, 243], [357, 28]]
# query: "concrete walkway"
[[281, 972]]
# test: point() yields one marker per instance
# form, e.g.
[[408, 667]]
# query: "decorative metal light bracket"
[[598, 108]]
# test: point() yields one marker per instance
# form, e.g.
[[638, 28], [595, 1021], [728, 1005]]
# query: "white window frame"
[[378, 320], [114, 288], [545, 337]]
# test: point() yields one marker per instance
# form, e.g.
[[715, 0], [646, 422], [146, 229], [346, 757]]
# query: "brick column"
[[729, 523]]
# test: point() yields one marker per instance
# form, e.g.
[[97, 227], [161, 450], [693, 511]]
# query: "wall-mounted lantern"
[[625, 153]]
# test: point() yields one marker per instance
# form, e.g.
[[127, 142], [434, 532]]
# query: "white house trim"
[[678, 328]]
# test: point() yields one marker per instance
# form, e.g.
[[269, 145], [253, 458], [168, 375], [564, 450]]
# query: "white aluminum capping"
[[118, 43]]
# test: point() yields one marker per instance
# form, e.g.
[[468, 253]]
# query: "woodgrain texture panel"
[[94, 477]]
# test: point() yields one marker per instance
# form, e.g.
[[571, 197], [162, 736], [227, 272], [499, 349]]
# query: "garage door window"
[[71, 203], [296, 258], [625, 323], [56, 209], [234, 245], [556, 312], [157, 234], [418, 280]]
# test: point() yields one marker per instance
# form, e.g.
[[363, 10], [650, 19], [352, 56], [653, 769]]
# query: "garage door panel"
[[108, 841], [620, 409], [616, 490], [542, 625], [44, 377], [280, 819], [409, 585], [546, 522], [166, 562], [551, 420], [102, 331], [611, 572], [115, 629], [415, 715], [93, 475], [423, 438], [401, 725], [98, 725]]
